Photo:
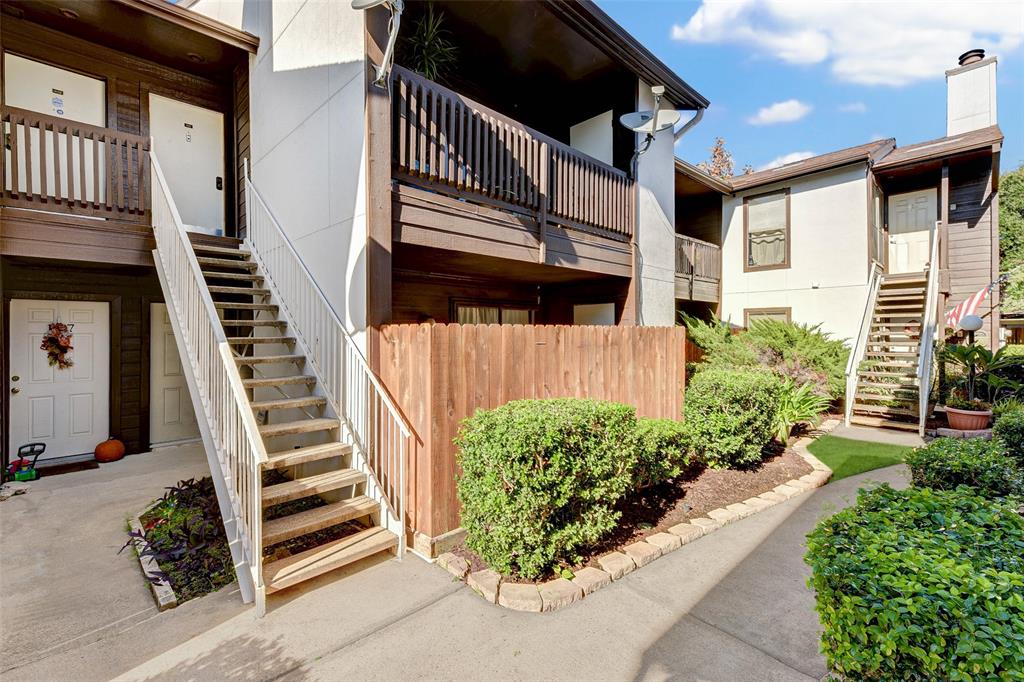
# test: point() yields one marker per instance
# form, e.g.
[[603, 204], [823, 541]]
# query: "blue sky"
[[839, 73]]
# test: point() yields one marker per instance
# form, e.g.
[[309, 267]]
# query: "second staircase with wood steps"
[[317, 516], [887, 392]]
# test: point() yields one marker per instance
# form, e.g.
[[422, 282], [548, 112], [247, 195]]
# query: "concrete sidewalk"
[[732, 606]]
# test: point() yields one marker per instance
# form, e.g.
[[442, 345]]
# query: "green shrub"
[[797, 404], [661, 451], [1008, 405], [921, 584], [731, 414], [1009, 430], [947, 463], [540, 479]]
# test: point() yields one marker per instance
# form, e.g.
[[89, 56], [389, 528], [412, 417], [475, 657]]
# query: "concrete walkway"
[[877, 435], [730, 607]]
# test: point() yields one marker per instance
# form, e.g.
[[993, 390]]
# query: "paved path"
[[730, 607], [877, 435]]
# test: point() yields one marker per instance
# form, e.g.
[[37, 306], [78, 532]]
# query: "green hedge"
[[921, 584], [540, 479], [1009, 430], [661, 451], [946, 463], [731, 414]]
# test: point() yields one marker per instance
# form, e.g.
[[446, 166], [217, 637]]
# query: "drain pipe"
[[689, 124]]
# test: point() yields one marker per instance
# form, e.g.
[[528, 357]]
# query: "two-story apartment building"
[[226, 204], [847, 240]]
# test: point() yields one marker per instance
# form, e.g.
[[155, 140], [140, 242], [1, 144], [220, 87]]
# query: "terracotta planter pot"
[[968, 420], [109, 451]]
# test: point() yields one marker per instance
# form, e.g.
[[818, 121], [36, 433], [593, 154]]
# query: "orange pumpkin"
[[109, 450]]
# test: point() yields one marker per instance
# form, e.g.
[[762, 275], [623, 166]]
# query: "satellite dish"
[[650, 122], [367, 4]]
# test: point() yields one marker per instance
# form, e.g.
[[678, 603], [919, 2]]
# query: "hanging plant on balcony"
[[57, 344], [428, 51]]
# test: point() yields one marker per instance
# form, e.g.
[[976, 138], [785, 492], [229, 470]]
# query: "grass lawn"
[[848, 457]]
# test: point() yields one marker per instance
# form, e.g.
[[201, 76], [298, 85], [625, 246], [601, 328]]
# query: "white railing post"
[[860, 344], [929, 329], [352, 390], [229, 428]]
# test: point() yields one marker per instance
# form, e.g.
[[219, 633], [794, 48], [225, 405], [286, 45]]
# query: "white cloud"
[[909, 40], [792, 157], [853, 108], [780, 112]]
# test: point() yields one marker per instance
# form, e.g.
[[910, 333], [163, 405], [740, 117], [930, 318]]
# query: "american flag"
[[968, 306]]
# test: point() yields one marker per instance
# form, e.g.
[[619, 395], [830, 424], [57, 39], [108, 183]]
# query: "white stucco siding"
[[828, 275], [656, 224], [307, 99]]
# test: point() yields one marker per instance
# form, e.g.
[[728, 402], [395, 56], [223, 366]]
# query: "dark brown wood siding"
[[129, 291], [973, 237], [241, 118]]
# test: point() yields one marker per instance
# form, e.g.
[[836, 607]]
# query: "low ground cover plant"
[[921, 584], [731, 414], [540, 479], [184, 533], [947, 463]]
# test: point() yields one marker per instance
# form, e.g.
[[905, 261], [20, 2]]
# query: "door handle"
[[220, 182], [15, 390]]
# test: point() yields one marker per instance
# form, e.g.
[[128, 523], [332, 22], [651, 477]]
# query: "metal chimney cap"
[[971, 56]]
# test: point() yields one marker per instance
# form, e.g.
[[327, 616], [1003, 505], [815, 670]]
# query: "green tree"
[[1011, 238]]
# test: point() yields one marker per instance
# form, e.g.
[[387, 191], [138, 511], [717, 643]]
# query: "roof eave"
[[195, 21], [697, 175]]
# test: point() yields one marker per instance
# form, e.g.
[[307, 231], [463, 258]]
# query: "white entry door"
[[911, 217], [68, 409], [189, 144], [171, 417]]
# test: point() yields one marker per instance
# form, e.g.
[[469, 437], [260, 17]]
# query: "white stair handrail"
[[230, 429], [929, 329], [372, 424], [860, 344]]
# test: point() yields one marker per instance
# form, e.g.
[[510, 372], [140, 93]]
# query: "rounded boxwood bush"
[[730, 414], [540, 479], [921, 584], [661, 451], [1009, 429], [946, 463]]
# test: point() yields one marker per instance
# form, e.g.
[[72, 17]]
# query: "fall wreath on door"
[[57, 344]]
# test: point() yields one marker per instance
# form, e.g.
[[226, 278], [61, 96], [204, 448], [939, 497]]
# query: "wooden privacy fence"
[[54, 164], [439, 374]]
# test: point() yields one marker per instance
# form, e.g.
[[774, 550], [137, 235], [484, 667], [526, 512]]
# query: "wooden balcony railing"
[[54, 164], [456, 146], [698, 269]]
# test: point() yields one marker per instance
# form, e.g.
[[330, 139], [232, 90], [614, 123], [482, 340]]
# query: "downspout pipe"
[[689, 124]]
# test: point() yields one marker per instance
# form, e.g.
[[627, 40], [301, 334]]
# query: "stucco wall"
[[308, 135], [828, 275], [656, 224]]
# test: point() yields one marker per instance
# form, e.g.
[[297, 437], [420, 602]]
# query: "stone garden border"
[[559, 593], [163, 593]]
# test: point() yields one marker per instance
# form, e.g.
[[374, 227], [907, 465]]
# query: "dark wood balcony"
[[698, 270]]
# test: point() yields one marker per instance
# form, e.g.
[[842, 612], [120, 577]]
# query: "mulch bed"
[[690, 496]]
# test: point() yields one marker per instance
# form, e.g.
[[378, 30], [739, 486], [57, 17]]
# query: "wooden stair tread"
[[269, 359], [890, 387], [292, 570], [902, 375], [882, 396], [254, 323], [270, 382], [241, 291], [289, 403], [227, 251], [250, 340], [236, 276], [890, 354], [311, 485], [886, 423], [230, 305], [298, 426], [226, 263], [312, 520], [312, 453], [882, 409]]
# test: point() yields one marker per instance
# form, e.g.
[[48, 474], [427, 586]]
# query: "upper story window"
[[766, 233]]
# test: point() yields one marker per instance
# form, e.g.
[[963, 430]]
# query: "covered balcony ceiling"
[[152, 29]]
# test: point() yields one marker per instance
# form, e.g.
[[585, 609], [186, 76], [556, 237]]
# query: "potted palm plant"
[[985, 379]]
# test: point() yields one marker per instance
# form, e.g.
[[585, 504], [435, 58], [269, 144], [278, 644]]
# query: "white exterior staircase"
[[306, 450], [889, 374]]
